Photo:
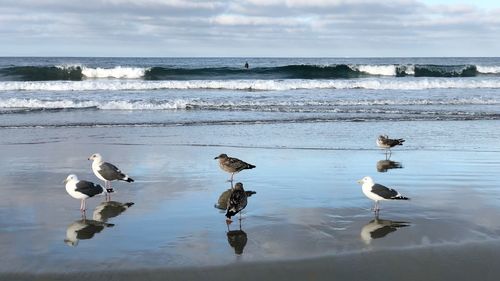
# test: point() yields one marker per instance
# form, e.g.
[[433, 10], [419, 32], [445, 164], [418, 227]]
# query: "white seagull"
[[107, 172], [378, 192], [80, 189]]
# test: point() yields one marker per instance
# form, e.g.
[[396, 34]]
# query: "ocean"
[[184, 91]]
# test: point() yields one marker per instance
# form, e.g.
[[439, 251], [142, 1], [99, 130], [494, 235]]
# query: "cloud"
[[155, 27]]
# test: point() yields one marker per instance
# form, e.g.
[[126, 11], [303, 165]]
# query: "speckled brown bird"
[[232, 165]]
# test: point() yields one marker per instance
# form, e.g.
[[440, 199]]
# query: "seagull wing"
[[237, 164], [384, 191], [88, 188], [110, 172]]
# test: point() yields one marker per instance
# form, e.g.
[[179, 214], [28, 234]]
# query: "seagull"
[[237, 202], [384, 142], [378, 192], [224, 198], [80, 189], [107, 172], [232, 165]]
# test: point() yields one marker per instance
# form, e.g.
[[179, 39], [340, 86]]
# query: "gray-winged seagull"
[[378, 192], [107, 172], [81, 189]]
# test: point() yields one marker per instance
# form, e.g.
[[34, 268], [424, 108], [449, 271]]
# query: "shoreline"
[[424, 263]]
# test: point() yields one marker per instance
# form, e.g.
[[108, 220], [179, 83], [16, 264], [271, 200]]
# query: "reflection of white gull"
[[378, 192], [232, 165], [107, 172], [109, 209], [378, 228], [80, 189], [83, 229]]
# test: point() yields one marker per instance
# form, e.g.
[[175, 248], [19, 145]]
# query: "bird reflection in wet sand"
[[83, 229], [237, 240], [379, 228], [109, 209], [385, 165]]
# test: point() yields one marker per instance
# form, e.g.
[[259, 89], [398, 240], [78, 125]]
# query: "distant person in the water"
[[246, 65]]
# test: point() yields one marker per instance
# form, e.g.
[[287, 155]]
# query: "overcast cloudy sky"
[[307, 28]]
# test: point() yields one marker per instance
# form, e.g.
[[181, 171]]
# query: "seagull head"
[[222, 156], [71, 177], [365, 180], [95, 157], [238, 186]]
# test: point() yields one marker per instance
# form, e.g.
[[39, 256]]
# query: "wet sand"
[[475, 261], [308, 220]]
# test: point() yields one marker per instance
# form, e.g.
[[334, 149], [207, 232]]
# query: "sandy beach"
[[308, 219]]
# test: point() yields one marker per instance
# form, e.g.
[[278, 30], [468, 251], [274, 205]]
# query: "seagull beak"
[[216, 157], [65, 181], [360, 181]]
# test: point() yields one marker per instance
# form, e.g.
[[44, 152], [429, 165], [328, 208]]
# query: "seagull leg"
[[108, 197], [231, 179]]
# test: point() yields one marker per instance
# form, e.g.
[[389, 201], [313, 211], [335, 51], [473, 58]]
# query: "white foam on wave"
[[116, 72], [109, 105], [245, 104], [488, 69], [119, 72], [386, 70], [260, 85]]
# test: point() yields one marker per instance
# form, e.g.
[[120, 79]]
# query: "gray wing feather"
[[384, 191], [110, 172], [88, 188]]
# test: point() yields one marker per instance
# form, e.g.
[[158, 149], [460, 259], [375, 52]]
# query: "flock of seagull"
[[237, 197]]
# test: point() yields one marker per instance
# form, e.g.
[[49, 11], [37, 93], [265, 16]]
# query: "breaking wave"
[[336, 71], [257, 85], [199, 104]]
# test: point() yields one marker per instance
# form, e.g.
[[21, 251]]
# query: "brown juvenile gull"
[[237, 202], [232, 165], [383, 141], [378, 192], [107, 172]]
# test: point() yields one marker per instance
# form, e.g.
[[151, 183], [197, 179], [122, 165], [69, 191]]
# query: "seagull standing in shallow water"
[[237, 202], [384, 142], [107, 172], [378, 192], [80, 189], [232, 165]]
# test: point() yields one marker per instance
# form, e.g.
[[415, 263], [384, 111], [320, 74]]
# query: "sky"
[[250, 28]]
